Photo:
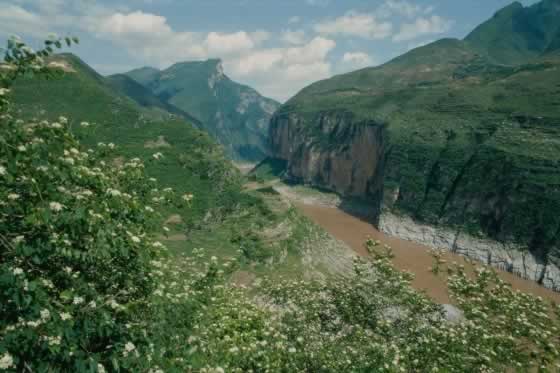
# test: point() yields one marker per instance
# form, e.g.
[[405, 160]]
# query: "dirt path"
[[408, 255]]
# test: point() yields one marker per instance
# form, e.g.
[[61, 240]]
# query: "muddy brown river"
[[408, 255]]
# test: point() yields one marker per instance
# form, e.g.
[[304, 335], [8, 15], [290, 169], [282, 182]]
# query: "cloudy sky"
[[276, 46]]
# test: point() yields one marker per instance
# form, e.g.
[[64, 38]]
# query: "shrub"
[[75, 234]]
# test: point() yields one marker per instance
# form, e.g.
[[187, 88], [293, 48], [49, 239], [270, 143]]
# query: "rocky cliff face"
[[507, 256], [352, 165]]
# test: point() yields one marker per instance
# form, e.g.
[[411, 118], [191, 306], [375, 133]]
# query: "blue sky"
[[276, 46]]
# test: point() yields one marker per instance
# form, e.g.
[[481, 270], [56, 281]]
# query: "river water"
[[409, 256]]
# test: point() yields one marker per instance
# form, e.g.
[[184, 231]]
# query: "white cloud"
[[356, 60], [218, 44], [275, 72], [401, 8], [14, 19], [138, 22], [294, 19], [279, 71], [423, 26], [296, 37], [353, 23]]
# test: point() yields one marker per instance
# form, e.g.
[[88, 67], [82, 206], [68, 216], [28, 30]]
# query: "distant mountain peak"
[[236, 115], [518, 34]]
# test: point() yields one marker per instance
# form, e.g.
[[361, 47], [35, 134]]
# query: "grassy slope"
[[193, 163], [222, 217], [472, 143]]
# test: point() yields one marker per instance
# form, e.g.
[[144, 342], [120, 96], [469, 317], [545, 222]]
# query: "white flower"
[[21, 148], [2, 170], [55, 341], [55, 206], [129, 347], [18, 239], [84, 124], [4, 91], [149, 209], [13, 196], [292, 350], [114, 304], [17, 271], [100, 368], [45, 314], [188, 197], [114, 192], [157, 156], [7, 361], [63, 120], [78, 300], [135, 239], [69, 160], [65, 316], [56, 125]]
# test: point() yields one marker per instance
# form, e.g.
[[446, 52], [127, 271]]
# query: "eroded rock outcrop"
[[511, 257]]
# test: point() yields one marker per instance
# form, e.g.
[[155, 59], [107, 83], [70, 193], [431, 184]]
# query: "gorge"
[[451, 147]]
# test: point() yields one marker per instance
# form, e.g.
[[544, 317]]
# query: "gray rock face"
[[509, 257]]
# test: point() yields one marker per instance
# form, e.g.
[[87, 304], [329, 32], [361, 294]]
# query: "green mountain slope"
[[517, 34], [444, 135], [145, 98], [236, 115], [144, 75], [191, 163]]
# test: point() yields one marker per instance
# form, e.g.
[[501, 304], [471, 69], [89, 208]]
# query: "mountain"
[[144, 75], [145, 98], [454, 148], [139, 125], [236, 115], [517, 34]]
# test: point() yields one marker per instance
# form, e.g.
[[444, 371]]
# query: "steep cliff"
[[445, 140]]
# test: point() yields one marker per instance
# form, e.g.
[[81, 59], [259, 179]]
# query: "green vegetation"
[[88, 288], [518, 34], [234, 114], [470, 143]]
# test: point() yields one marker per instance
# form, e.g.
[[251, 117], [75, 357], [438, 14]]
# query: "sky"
[[276, 46]]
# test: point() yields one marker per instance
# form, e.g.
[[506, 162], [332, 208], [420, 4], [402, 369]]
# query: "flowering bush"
[[75, 242]]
